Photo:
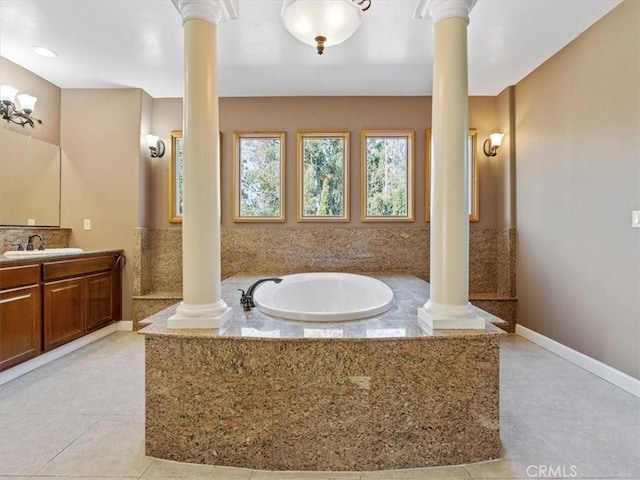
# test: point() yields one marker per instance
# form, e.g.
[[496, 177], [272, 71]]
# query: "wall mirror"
[[473, 183], [29, 181], [258, 176], [387, 175], [176, 177], [323, 176]]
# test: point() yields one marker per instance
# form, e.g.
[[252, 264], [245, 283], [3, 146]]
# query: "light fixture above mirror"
[[11, 112], [323, 23]]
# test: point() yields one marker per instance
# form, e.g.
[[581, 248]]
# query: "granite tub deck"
[[373, 394]]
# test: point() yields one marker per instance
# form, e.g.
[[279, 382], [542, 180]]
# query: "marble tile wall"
[[265, 249], [255, 404], [354, 249]]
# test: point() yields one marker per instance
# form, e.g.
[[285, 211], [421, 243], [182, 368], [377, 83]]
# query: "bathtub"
[[324, 297]]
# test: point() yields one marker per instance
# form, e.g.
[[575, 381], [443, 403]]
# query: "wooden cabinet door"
[[99, 303], [63, 312], [20, 325]]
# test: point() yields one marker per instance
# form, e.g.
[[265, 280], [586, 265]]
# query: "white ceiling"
[[139, 43]]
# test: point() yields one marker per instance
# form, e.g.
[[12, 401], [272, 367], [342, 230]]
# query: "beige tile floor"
[[82, 417]]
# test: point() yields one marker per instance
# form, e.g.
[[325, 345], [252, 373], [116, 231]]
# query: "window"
[[258, 176], [175, 178], [387, 175], [472, 177], [323, 176]]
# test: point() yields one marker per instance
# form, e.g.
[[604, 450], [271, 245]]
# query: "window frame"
[[175, 213], [474, 179], [344, 135], [237, 187], [409, 135]]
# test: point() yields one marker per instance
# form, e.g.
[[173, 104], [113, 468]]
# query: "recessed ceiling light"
[[45, 52]]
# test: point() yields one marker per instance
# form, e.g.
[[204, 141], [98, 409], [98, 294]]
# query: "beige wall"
[[578, 177], [47, 107], [291, 114], [504, 163], [101, 144]]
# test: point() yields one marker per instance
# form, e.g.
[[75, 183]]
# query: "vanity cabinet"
[[63, 312], [80, 296], [20, 318], [47, 302]]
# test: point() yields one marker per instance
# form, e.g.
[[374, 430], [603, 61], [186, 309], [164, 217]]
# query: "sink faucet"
[[246, 299], [30, 242]]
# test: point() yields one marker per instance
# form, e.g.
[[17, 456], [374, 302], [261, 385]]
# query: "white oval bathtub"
[[324, 297]]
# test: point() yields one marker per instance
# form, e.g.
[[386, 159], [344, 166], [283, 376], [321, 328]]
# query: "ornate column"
[[202, 305], [448, 305]]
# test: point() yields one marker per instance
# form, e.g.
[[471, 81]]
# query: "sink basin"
[[17, 254]]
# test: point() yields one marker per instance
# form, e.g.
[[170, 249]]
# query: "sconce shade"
[[152, 140], [321, 23], [496, 139], [491, 144], [7, 93], [27, 102]]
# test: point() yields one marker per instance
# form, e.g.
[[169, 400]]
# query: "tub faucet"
[[246, 299], [30, 242]]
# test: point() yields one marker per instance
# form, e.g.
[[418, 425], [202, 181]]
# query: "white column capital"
[[213, 11], [439, 10]]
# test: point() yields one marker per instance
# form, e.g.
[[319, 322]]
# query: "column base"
[[211, 315], [441, 317]]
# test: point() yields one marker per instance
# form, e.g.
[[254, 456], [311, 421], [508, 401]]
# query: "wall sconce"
[[155, 145], [10, 111], [491, 144], [323, 24]]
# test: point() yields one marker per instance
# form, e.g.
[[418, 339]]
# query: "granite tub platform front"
[[373, 394]]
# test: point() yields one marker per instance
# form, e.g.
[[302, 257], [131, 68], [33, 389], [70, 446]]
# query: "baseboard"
[[602, 370], [124, 326], [52, 355]]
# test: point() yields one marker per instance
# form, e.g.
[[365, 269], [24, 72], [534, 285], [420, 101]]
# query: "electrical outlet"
[[635, 219], [31, 221], [87, 224]]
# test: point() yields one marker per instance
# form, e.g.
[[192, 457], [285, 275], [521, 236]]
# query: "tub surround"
[[157, 259], [267, 393]]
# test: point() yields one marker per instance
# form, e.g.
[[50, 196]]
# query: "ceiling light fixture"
[[44, 52], [323, 23], [11, 112], [491, 144]]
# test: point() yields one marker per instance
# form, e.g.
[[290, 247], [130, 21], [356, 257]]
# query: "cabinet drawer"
[[81, 266], [13, 277]]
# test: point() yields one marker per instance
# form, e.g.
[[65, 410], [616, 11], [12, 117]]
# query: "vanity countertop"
[[11, 262]]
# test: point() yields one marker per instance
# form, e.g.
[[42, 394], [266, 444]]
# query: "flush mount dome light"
[[44, 52], [323, 23]]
